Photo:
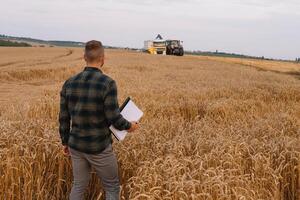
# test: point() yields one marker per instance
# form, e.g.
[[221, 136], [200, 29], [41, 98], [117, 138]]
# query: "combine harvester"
[[165, 47]]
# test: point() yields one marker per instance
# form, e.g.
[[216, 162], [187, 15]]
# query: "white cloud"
[[243, 26]]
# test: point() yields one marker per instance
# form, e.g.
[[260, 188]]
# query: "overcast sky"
[[269, 28]]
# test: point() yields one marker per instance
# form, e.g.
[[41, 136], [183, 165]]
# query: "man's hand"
[[66, 150], [133, 127]]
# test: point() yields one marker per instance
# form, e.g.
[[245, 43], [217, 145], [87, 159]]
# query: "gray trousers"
[[106, 167]]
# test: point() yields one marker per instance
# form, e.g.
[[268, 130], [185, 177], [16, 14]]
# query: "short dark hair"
[[93, 50]]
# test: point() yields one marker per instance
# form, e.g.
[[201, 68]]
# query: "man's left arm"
[[111, 108], [64, 117]]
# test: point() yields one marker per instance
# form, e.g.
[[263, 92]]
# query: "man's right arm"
[[64, 117]]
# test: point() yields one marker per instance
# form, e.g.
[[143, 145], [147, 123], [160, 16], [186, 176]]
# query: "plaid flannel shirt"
[[88, 106]]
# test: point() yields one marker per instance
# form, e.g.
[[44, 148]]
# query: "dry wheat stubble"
[[213, 129]]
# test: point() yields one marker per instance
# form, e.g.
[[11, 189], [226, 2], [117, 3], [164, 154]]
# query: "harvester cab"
[[159, 47]]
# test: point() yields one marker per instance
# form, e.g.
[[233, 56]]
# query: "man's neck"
[[98, 66]]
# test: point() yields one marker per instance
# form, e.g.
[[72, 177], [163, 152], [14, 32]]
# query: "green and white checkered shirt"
[[88, 106]]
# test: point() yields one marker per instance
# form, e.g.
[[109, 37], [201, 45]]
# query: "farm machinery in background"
[[165, 47]]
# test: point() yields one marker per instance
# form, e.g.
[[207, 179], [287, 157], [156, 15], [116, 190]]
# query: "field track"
[[36, 65], [214, 128]]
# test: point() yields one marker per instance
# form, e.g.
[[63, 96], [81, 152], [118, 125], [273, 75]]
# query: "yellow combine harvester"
[[165, 47]]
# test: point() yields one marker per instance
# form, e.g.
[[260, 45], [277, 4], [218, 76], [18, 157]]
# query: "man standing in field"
[[89, 104]]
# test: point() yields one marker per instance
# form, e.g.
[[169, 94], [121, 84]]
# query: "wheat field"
[[213, 129]]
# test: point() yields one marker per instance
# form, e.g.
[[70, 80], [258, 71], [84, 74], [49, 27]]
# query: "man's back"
[[89, 100]]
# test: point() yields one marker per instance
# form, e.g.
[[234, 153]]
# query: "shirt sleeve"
[[111, 108], [64, 117]]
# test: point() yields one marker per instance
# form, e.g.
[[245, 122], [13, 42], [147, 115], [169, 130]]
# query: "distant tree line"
[[297, 59], [6, 43], [42, 42], [224, 54], [3, 36]]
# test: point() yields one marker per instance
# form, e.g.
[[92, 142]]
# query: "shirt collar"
[[88, 68]]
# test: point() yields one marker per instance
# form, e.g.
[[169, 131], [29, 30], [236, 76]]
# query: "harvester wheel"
[[181, 52]]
